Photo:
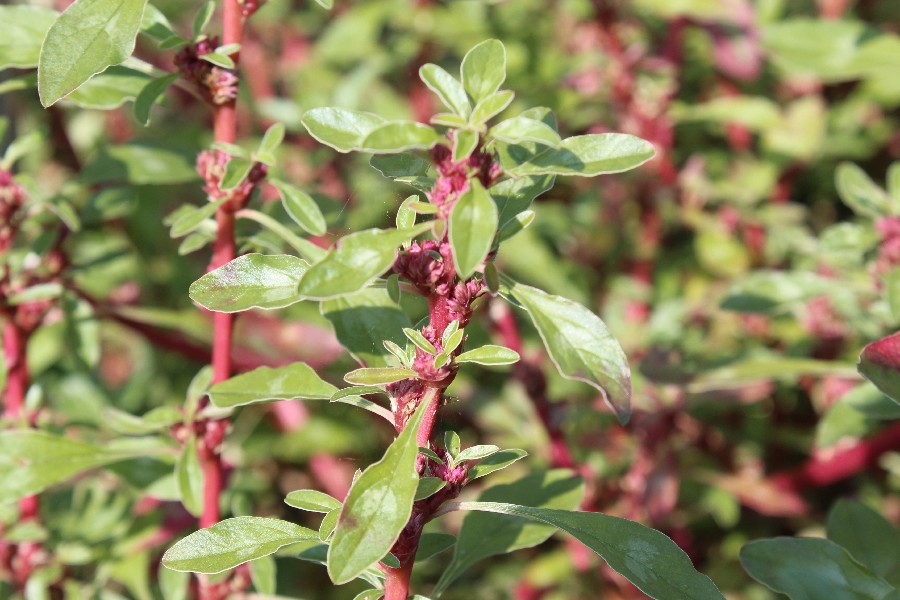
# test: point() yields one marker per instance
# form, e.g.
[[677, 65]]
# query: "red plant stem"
[[822, 471], [224, 130], [396, 582]]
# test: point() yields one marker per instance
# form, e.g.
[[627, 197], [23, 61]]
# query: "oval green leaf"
[[297, 381], [232, 542], [399, 136], [587, 156], [446, 87], [189, 477], [491, 106], [357, 261], [483, 69], [522, 129], [250, 281], [378, 376], [580, 345], [473, 223], [312, 501], [88, 37], [340, 128], [378, 505], [301, 207], [489, 355]]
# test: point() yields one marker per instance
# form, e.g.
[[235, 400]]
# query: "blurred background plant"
[[743, 270]]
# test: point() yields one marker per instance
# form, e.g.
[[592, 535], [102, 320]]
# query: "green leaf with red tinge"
[[879, 362]]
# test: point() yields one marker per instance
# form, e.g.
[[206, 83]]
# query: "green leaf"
[[272, 138], [580, 345], [431, 544], [449, 120], [419, 340], [297, 381], [399, 136], [584, 155], [644, 556], [770, 291], [491, 106], [378, 505], [452, 443], [340, 128], [148, 96], [263, 574], [867, 536], [329, 522], [141, 163], [396, 166], [162, 417], [465, 143], [428, 486], [232, 542], [24, 28], [806, 568], [301, 207], [453, 342], [236, 171], [31, 461], [477, 452], [859, 192], [406, 216], [192, 219], [250, 281], [522, 129], [189, 477], [430, 454], [312, 500], [357, 261], [879, 362], [378, 376], [484, 535], [823, 48], [88, 37], [483, 69], [363, 320], [495, 462], [109, 89], [446, 87], [326, 4], [473, 223], [220, 60], [202, 18], [489, 355]]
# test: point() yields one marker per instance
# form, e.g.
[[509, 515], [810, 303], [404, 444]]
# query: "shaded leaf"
[[189, 477], [583, 155], [363, 320], [24, 29], [807, 568], [148, 96], [484, 535]]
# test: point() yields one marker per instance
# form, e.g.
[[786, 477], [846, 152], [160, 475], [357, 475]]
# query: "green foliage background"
[[740, 278]]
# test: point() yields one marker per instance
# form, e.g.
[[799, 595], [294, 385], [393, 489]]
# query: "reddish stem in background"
[[822, 471], [14, 352], [224, 130]]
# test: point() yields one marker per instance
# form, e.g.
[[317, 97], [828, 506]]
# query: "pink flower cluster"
[[218, 85], [453, 177], [211, 166]]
